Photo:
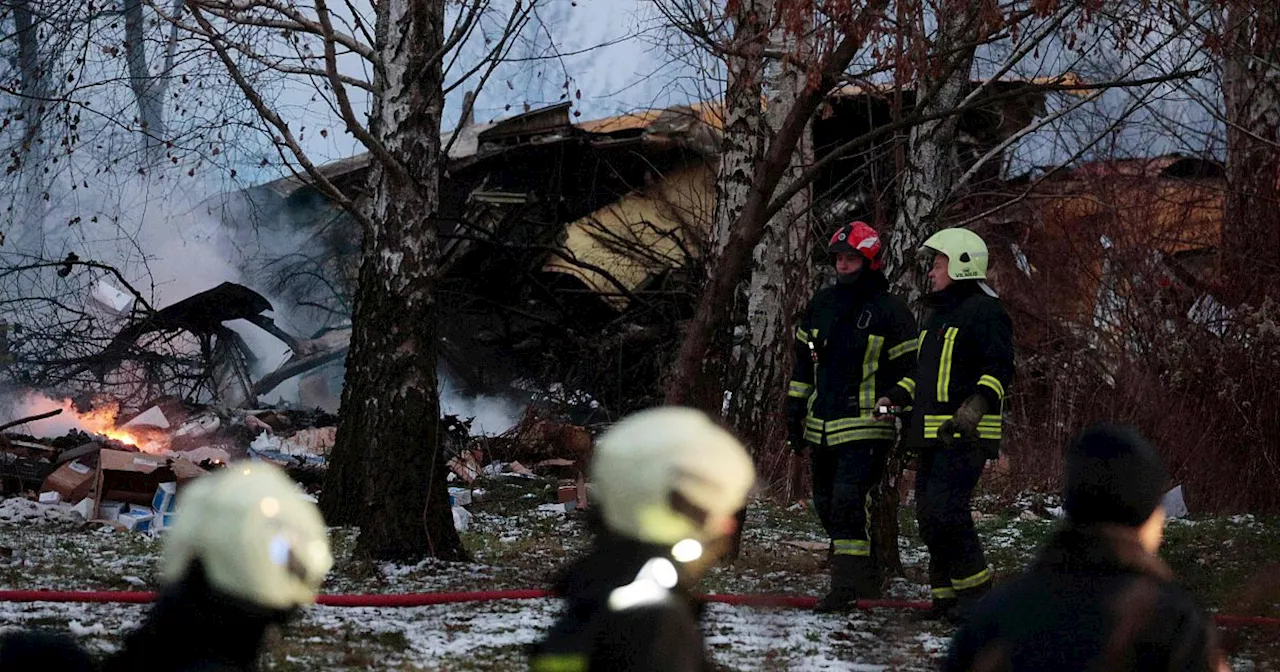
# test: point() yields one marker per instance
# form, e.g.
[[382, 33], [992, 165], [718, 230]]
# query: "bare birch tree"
[[843, 29], [1251, 91], [387, 471]]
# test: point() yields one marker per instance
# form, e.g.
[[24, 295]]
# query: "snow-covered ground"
[[519, 540]]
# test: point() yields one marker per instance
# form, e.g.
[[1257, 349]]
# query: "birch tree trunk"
[[28, 156], [146, 92], [1251, 88], [930, 168], [742, 144], [698, 378], [759, 333], [387, 473], [773, 293]]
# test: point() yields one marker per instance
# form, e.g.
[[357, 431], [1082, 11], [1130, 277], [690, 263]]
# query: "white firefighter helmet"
[[254, 532], [965, 250], [667, 475]]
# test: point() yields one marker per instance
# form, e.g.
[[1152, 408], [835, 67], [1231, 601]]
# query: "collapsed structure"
[[572, 252]]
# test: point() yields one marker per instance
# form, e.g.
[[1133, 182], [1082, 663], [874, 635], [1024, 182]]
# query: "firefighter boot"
[[852, 578], [966, 600], [941, 609]]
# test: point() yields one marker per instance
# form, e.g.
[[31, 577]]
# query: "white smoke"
[[28, 404], [493, 415]]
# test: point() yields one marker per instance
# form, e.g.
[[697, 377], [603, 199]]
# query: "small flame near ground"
[[99, 420]]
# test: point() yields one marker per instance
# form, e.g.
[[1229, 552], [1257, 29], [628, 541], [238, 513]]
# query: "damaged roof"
[[696, 126]]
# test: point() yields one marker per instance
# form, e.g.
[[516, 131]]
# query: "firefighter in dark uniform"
[[246, 552], [1098, 597], [963, 365], [854, 343], [668, 483]]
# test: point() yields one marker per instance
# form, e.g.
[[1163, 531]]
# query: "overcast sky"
[[617, 56]]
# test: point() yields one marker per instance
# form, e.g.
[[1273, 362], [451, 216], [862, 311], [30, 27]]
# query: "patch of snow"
[[439, 632], [80, 630], [549, 510], [933, 644], [21, 511]]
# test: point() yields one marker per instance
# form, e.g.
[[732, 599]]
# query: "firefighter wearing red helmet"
[[855, 341]]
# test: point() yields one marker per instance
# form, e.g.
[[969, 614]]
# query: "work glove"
[[964, 422]]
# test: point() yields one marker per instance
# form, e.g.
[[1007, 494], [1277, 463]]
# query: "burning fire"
[[101, 421], [98, 417]]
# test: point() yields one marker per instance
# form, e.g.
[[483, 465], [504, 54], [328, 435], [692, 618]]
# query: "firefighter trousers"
[[843, 477], [944, 489]]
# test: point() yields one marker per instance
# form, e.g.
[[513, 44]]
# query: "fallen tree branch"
[[23, 421]]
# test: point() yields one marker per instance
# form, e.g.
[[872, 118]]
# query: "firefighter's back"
[[1087, 605]]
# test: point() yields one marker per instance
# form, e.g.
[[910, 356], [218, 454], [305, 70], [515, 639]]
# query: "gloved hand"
[[964, 422], [882, 401]]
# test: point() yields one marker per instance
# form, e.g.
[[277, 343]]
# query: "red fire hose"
[[424, 599]]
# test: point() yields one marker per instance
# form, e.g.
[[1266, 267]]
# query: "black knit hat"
[[1113, 476]]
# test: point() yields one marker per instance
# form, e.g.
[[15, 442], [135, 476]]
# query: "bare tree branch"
[[271, 117]]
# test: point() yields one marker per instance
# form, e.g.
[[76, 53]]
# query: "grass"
[[517, 545]]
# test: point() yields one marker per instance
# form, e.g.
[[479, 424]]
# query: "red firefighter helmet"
[[857, 238]]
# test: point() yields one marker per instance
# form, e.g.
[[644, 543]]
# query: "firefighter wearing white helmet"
[[964, 365], [666, 485], [246, 550]]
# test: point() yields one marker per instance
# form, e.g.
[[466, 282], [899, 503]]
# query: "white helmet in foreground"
[[669, 474], [254, 533]]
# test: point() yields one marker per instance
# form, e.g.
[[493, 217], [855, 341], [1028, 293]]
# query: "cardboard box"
[[134, 477], [166, 495], [50, 498], [85, 508], [71, 481], [136, 521], [163, 521], [459, 496], [108, 511]]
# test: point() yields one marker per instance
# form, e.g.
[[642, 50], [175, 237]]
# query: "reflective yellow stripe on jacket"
[[870, 362], [904, 348], [989, 427], [799, 390], [559, 662], [944, 365], [845, 430], [993, 383]]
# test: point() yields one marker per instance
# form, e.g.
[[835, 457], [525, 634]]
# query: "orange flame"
[[101, 420]]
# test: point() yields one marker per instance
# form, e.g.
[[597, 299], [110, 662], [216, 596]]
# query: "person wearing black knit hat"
[[1098, 597]]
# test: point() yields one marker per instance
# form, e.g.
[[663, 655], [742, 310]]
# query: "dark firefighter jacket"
[[964, 348], [651, 630], [216, 632], [45, 651], [1094, 600], [854, 343]]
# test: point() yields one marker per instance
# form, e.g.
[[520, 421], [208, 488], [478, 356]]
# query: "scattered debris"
[[459, 496], [133, 478], [461, 518], [1174, 504], [71, 482], [311, 442], [466, 467]]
